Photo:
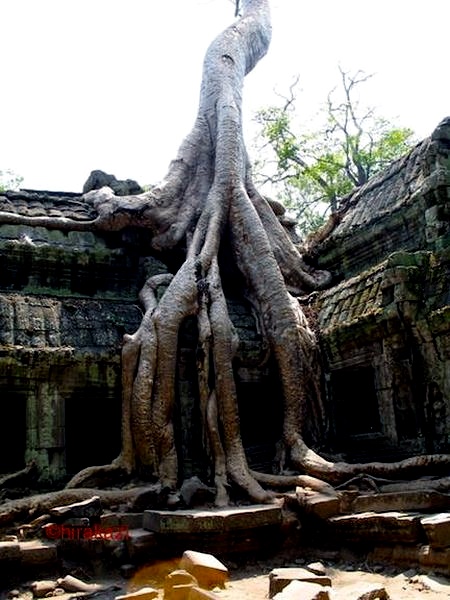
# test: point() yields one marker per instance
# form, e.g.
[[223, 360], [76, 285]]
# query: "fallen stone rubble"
[[417, 533], [200, 576]]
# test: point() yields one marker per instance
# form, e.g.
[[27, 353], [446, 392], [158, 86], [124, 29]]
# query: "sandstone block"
[[320, 505], [317, 568], [206, 568], [140, 542], [389, 527], [145, 593], [220, 520], [281, 578], [179, 592], [41, 588], [303, 590], [437, 529], [180, 577], [86, 508], [73, 584]]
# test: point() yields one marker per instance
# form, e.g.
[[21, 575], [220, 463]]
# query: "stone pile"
[[313, 583], [408, 528]]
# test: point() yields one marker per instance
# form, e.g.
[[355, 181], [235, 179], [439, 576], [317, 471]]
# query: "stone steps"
[[403, 528], [224, 532]]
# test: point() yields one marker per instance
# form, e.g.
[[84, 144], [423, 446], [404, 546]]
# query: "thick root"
[[100, 476]]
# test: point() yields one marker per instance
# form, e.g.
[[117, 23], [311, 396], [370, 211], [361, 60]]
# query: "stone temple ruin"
[[67, 298]]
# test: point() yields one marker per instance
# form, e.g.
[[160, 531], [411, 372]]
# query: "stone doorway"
[[92, 428], [13, 416]]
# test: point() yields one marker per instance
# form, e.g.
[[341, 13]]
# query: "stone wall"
[[385, 328], [66, 300]]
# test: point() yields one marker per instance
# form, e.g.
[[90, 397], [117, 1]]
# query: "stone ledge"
[[211, 521], [387, 527], [400, 501]]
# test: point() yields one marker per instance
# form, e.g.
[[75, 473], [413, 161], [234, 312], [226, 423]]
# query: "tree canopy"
[[315, 164], [9, 180]]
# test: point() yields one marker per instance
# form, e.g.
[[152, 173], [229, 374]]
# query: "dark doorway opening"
[[261, 419], [13, 411], [355, 402], [92, 428]]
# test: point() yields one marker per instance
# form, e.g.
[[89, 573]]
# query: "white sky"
[[114, 84]]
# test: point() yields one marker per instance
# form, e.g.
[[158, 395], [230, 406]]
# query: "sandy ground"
[[251, 581], [399, 587]]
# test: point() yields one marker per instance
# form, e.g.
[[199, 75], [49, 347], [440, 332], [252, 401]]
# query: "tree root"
[[25, 509]]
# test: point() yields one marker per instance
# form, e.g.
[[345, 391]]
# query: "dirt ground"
[[250, 581], [254, 586]]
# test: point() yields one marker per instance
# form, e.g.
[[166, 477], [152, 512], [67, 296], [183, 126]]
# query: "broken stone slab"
[[214, 520], [303, 590], [437, 529], [317, 568], [90, 508], [322, 506], [176, 581], [361, 591], [282, 577], [73, 584], [43, 588], [145, 593], [388, 527], [206, 568], [140, 542], [415, 500]]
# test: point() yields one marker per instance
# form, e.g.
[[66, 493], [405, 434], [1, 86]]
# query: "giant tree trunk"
[[208, 193]]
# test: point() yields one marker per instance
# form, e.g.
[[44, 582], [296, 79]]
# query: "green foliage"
[[9, 180], [311, 170]]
